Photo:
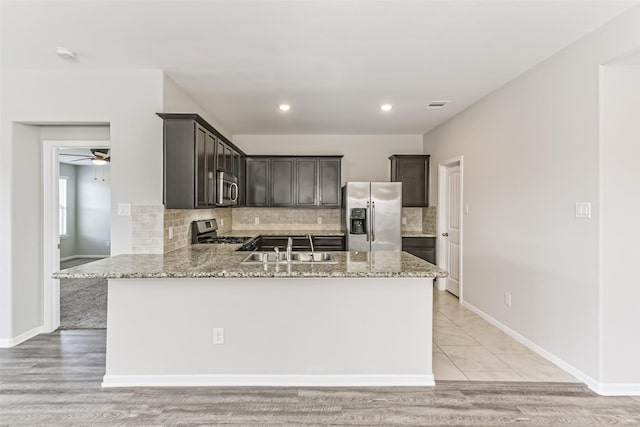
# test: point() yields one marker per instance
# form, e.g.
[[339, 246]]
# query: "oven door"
[[227, 194]]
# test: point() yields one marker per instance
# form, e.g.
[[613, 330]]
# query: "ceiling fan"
[[100, 156]]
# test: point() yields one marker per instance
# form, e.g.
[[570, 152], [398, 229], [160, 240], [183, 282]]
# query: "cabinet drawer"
[[418, 242]]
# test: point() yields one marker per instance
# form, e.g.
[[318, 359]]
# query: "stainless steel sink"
[[296, 257]]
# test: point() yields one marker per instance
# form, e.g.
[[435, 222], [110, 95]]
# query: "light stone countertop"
[[416, 234], [222, 261]]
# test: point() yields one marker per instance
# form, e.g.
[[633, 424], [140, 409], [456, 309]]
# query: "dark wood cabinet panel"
[[422, 247], [191, 148], [257, 181], [283, 182], [302, 181], [210, 152], [413, 172], [307, 181], [329, 183]]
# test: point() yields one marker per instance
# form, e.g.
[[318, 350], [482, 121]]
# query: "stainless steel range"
[[206, 231]]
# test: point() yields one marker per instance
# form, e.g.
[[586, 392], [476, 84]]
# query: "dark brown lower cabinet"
[[422, 247]]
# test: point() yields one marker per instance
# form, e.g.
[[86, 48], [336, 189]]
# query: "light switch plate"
[[124, 209], [404, 220], [256, 220], [583, 210], [319, 220]]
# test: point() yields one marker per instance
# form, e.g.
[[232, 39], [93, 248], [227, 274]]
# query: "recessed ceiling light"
[[65, 53], [437, 104], [284, 107], [386, 107]]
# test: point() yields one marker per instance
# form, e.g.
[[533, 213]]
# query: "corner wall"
[[531, 150], [128, 101]]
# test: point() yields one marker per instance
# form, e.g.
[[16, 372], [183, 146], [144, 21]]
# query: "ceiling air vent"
[[437, 104]]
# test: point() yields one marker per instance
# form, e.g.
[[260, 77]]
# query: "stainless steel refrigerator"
[[372, 216]]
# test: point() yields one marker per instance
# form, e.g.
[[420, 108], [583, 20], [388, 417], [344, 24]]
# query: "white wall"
[[176, 100], [127, 101], [620, 232], [366, 157], [93, 210], [530, 152], [68, 243]]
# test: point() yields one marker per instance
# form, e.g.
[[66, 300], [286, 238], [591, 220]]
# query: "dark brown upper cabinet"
[[413, 172], [330, 195], [296, 181], [193, 152], [258, 174]]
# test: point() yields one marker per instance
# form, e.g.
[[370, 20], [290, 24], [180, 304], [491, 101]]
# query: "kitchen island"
[[198, 316]]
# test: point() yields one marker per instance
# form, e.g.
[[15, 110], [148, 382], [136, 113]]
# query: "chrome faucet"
[[289, 249], [311, 244], [277, 251]]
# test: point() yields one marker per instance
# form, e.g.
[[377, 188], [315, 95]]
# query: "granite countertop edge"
[[249, 275]]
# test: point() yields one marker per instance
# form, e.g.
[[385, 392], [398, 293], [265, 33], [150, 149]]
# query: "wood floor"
[[54, 379]]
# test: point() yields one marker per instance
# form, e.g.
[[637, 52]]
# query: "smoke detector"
[[65, 53]]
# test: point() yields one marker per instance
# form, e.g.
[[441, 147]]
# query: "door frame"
[[441, 244], [51, 237]]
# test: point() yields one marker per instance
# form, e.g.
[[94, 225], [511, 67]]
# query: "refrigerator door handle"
[[366, 236], [373, 221]]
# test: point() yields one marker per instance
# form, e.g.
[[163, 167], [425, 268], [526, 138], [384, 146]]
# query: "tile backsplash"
[[146, 229], [180, 220], [286, 219], [429, 220], [413, 219]]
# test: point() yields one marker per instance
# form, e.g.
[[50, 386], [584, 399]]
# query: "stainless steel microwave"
[[227, 191]]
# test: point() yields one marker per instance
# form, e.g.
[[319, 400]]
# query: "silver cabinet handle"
[[373, 221]]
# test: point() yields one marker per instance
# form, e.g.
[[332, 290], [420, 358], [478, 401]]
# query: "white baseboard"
[[12, 342], [69, 258], [607, 389], [593, 384], [268, 380]]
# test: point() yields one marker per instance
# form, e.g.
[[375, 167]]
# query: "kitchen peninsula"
[[199, 316]]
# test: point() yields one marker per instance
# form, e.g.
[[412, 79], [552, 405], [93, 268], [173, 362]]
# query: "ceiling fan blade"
[[75, 155], [79, 160]]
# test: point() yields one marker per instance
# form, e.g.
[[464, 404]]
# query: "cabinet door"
[[307, 181], [201, 166], [257, 185], [413, 172], [228, 160], [282, 182], [220, 158], [329, 183], [210, 150]]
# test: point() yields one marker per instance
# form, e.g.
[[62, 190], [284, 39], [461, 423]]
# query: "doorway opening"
[[77, 230], [450, 209]]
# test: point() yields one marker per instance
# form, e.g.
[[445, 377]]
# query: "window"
[[62, 200]]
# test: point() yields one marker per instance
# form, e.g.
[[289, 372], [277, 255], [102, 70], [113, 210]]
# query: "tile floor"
[[468, 348]]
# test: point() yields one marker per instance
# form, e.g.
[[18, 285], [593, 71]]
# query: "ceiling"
[[73, 158], [335, 62]]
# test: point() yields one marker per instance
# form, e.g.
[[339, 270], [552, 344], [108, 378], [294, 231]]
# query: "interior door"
[[452, 230]]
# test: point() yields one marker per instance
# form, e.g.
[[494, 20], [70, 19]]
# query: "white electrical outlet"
[[507, 299], [218, 336], [221, 222], [404, 220], [170, 233], [319, 220], [256, 220]]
